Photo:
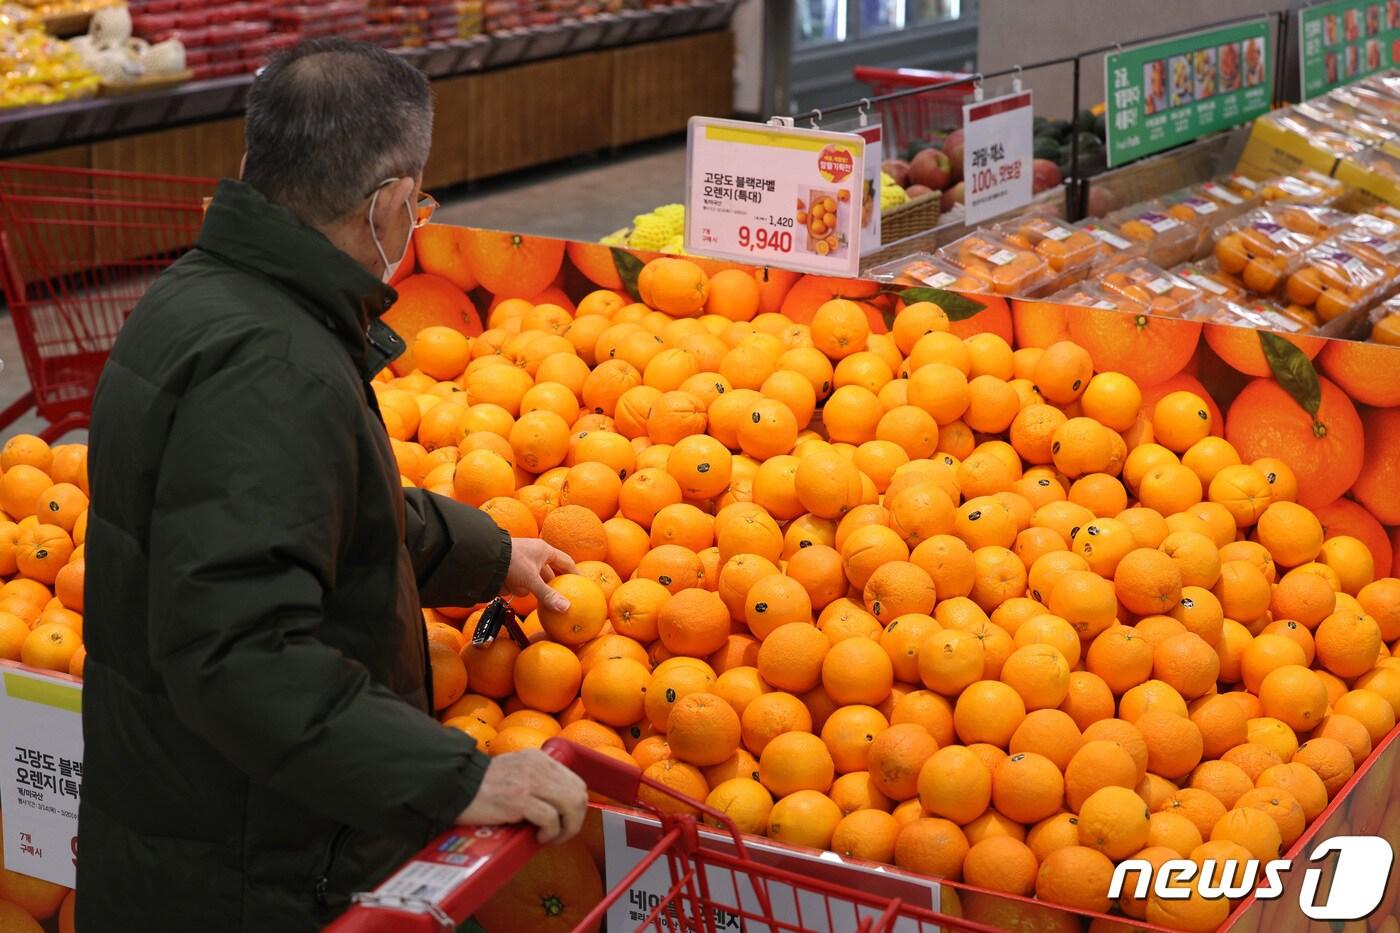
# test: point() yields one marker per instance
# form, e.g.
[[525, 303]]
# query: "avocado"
[[1085, 121], [1047, 147], [1060, 129]]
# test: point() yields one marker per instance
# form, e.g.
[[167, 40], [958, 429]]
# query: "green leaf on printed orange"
[[957, 307], [1293, 370], [628, 268]]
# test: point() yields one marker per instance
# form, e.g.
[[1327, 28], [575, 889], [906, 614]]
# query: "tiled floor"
[[576, 201]]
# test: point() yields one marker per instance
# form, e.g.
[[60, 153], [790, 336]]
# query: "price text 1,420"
[[780, 241]]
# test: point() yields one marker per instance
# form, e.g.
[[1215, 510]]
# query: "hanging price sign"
[[778, 195], [997, 152]]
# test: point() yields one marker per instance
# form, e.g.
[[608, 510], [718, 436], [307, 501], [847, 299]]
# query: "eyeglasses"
[[423, 209], [424, 204]]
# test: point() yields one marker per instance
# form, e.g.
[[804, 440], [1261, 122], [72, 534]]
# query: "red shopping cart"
[[458, 872], [78, 249], [916, 117]]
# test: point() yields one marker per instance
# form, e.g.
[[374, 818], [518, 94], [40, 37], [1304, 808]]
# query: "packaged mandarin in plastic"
[[1214, 284], [1385, 322], [1333, 280], [1113, 247], [1261, 249], [1089, 294], [1062, 246], [1313, 126], [1007, 269], [1264, 314], [1312, 219], [1232, 198], [1307, 187], [1169, 241], [1242, 186], [1159, 291], [921, 270], [1342, 114]]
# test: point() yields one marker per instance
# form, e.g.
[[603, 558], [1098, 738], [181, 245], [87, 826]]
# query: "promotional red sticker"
[[835, 164]]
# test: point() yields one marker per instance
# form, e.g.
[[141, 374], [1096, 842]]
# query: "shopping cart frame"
[[78, 249], [919, 114], [689, 906]]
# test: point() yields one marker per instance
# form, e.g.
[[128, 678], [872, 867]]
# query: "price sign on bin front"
[[777, 195], [761, 899], [997, 156], [41, 771]]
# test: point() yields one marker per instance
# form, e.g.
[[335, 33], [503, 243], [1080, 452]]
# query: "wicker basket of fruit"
[[914, 216]]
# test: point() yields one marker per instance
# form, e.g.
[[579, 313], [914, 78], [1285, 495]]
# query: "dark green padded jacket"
[[255, 712]]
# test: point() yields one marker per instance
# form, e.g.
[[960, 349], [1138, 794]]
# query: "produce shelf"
[[28, 130]]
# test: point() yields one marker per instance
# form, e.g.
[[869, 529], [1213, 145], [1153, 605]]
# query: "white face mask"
[[389, 267]]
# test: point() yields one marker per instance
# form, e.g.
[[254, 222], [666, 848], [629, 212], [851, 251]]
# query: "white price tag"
[[1159, 286], [1221, 194], [1160, 223], [1058, 233], [1002, 257], [1200, 280], [938, 280], [997, 156], [427, 881], [1247, 184], [776, 195], [1357, 269], [1112, 239], [41, 731], [1202, 206]]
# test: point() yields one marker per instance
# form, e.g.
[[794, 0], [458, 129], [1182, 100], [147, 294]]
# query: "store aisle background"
[[580, 200]]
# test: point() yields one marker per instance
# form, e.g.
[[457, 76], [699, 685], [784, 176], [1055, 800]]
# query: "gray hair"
[[331, 119]]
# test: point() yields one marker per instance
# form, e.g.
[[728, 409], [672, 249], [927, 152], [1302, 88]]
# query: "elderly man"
[[256, 717]]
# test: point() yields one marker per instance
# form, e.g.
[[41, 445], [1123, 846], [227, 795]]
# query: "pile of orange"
[[43, 498], [984, 613], [43, 522]]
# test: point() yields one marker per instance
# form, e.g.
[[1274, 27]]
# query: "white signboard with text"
[[41, 747], [998, 149], [628, 837], [759, 193]]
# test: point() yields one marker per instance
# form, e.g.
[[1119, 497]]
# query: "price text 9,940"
[[779, 241]]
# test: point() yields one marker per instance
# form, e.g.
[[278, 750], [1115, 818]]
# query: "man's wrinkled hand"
[[529, 787], [533, 563]]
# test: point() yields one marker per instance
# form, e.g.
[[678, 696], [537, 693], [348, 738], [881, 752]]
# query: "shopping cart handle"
[[462, 868]]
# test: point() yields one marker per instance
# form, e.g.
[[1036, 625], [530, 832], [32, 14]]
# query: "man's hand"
[[529, 786], [533, 563]]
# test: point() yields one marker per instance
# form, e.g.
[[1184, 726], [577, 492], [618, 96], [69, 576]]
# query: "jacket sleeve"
[[459, 554], [254, 501]]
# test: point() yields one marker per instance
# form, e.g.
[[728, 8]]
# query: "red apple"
[[1101, 201], [953, 146], [932, 169], [918, 191], [897, 169], [1044, 175], [953, 195]]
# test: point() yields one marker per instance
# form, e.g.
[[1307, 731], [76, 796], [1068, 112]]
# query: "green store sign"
[[1345, 40], [1163, 94]]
